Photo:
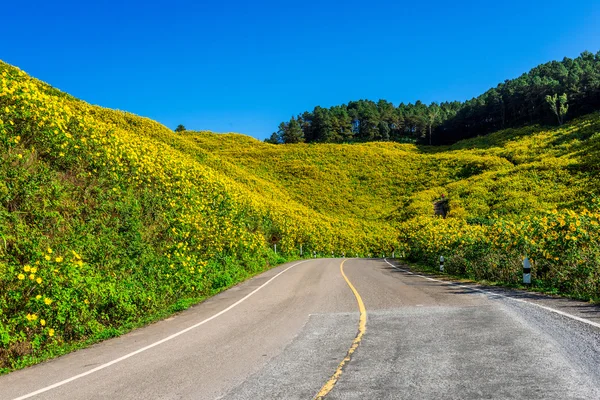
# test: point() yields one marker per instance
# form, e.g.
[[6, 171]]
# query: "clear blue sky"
[[246, 66]]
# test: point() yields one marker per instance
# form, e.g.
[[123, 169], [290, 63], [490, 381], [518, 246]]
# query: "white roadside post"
[[393, 254], [526, 271], [344, 255], [300, 250], [314, 254], [275, 247], [332, 255], [441, 263]]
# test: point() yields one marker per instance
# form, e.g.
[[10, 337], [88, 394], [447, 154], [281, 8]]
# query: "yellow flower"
[[50, 332], [58, 259], [43, 322], [32, 276], [31, 317], [39, 280], [86, 301], [48, 301], [47, 258], [21, 277], [33, 270], [27, 268], [49, 250]]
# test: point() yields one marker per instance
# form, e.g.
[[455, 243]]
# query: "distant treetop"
[[537, 97], [180, 128]]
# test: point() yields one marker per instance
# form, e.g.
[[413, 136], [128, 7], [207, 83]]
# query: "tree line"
[[548, 94]]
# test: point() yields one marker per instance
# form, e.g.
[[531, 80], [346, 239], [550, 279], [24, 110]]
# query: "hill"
[[547, 94], [108, 219]]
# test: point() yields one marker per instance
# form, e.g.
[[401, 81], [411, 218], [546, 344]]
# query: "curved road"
[[369, 329]]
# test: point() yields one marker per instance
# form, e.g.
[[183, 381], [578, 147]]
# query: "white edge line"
[[564, 314], [133, 353]]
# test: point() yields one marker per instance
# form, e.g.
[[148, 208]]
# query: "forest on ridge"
[[512, 103]]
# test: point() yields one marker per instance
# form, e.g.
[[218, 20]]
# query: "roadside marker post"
[[526, 271], [332, 256], [314, 254], [441, 263], [393, 254], [301, 251], [275, 247]]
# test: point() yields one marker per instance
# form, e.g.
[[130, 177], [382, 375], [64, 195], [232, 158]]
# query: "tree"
[[433, 117], [367, 115], [341, 124], [322, 125], [559, 106], [512, 103], [384, 131], [291, 132], [388, 119], [180, 128], [274, 139]]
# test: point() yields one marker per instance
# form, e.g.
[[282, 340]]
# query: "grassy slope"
[[107, 218], [529, 191], [508, 173]]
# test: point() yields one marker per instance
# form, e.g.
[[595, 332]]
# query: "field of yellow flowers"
[[108, 219], [529, 192]]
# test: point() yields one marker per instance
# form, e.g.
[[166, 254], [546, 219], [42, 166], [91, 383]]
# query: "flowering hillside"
[[519, 192], [108, 219]]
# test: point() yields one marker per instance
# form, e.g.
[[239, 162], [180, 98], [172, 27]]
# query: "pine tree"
[[291, 132], [559, 106]]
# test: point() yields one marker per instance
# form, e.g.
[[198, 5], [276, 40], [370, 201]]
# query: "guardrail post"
[[526, 271]]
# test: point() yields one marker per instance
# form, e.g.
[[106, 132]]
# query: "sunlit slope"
[[107, 217], [508, 173], [522, 192]]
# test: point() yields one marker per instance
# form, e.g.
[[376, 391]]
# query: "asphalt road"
[[283, 335]]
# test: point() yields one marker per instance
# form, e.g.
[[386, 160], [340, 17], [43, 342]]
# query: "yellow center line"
[[362, 327]]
